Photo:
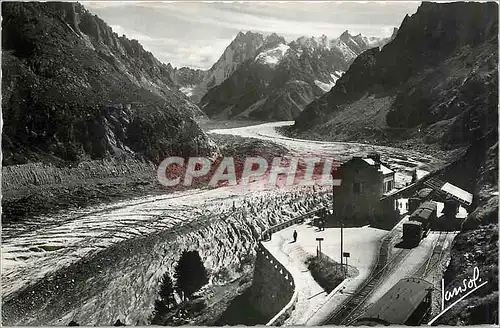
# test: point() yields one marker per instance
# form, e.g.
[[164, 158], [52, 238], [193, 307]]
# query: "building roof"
[[457, 192], [398, 304], [416, 223], [384, 169], [369, 161]]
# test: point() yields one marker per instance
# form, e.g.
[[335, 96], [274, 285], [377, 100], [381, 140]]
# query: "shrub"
[[190, 274], [326, 272]]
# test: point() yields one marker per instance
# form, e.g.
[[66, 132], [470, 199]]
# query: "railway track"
[[353, 306], [434, 258]]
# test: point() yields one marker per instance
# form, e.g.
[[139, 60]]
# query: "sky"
[[195, 34]]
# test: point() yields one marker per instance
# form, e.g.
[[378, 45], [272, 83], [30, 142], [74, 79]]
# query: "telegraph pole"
[[342, 246], [319, 246], [341, 228]]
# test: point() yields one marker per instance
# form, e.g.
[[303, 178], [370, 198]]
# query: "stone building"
[[364, 182]]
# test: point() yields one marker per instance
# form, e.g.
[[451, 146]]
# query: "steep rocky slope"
[[196, 83], [474, 249], [436, 81], [283, 78], [73, 90]]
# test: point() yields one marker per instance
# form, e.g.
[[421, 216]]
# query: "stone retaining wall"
[[272, 286]]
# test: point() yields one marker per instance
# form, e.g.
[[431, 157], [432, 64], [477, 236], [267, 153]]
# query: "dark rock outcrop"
[[72, 89], [477, 248]]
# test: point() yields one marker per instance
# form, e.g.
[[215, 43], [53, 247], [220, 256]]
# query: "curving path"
[[314, 305], [293, 256]]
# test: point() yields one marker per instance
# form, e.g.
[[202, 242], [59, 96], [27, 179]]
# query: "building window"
[[358, 187], [388, 186]]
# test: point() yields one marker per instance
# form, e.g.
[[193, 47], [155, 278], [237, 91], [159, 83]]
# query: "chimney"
[[375, 156]]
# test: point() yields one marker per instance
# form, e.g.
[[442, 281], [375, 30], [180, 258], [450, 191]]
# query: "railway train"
[[408, 302], [426, 213], [417, 199], [412, 233], [420, 222]]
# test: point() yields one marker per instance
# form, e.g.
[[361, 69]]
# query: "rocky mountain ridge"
[[283, 78], [195, 83], [74, 90], [436, 83], [439, 85]]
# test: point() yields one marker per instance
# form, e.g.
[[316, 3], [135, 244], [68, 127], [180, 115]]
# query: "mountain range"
[[75, 90], [195, 83], [264, 77]]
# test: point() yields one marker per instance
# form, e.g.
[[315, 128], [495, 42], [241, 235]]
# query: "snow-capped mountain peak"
[[195, 83], [272, 56], [241, 48], [345, 36], [272, 63], [312, 43], [284, 77], [273, 39]]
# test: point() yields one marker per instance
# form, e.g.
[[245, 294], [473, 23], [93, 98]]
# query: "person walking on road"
[[295, 236]]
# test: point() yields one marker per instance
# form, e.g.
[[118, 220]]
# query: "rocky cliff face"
[[72, 89], [196, 83], [437, 81], [283, 78], [476, 248]]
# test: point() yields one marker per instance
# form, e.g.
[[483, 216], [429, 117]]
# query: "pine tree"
[[190, 273], [167, 299]]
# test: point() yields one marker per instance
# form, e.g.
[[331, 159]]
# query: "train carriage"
[[408, 302], [426, 213], [413, 204], [412, 233]]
